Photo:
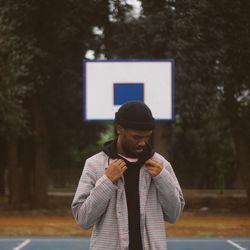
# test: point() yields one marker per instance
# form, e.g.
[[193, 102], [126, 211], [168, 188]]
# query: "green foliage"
[[107, 135], [42, 44], [16, 55], [42, 47], [211, 85]]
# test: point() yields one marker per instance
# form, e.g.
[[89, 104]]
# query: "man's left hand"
[[154, 167]]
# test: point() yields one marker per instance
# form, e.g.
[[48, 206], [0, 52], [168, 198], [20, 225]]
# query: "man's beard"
[[130, 152]]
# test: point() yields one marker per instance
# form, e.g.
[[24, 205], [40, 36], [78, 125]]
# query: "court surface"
[[76, 243]]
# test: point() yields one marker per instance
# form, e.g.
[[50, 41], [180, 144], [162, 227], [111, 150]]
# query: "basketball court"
[[77, 243], [117, 82]]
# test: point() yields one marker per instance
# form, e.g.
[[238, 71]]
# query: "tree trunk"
[[40, 195], [2, 168], [237, 126], [161, 138], [13, 172], [26, 163], [242, 159], [2, 181]]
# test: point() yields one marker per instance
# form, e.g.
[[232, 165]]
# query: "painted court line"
[[22, 245], [235, 245], [195, 240], [60, 240]]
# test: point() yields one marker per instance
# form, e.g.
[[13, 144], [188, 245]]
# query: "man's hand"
[[115, 170], [154, 167]]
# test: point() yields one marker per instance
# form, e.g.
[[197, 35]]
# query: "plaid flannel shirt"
[[101, 204]]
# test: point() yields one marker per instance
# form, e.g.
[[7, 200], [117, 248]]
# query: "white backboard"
[[107, 84]]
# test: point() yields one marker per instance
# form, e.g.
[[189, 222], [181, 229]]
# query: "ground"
[[189, 225], [204, 216]]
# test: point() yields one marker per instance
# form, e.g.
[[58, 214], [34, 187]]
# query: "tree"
[[17, 54], [192, 32], [234, 82], [48, 40]]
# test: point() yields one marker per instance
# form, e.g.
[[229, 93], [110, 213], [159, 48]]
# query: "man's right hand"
[[116, 169]]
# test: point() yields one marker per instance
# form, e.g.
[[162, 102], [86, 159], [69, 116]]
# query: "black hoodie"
[[131, 178]]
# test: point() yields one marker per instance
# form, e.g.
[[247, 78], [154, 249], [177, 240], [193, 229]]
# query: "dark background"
[[43, 141]]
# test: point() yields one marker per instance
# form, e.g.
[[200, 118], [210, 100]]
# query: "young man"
[[128, 190]]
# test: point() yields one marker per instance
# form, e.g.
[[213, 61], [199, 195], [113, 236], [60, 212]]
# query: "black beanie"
[[135, 115]]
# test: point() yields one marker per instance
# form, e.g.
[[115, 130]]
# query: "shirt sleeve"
[[169, 193], [92, 196]]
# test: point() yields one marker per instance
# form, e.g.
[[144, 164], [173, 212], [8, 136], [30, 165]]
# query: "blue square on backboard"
[[125, 92]]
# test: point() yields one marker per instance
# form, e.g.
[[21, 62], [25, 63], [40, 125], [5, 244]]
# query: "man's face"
[[132, 142]]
